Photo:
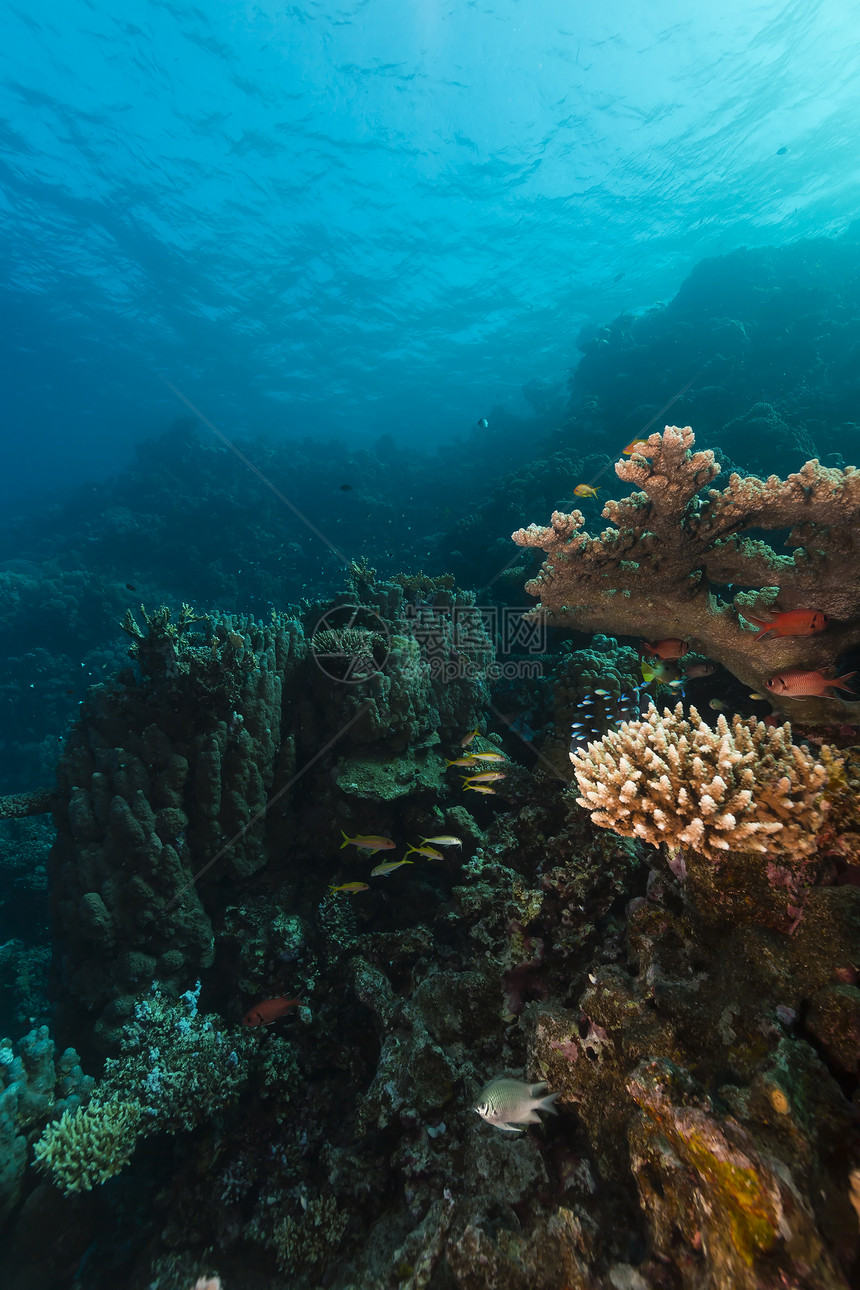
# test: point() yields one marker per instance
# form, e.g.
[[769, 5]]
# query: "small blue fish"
[[604, 712]]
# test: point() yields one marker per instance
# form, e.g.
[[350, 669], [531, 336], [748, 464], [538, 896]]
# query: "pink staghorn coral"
[[668, 566]]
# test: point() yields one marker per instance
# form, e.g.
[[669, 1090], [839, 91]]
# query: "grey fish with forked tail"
[[509, 1104]]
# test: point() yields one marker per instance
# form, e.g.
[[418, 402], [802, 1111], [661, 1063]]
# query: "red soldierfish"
[[794, 622], [671, 647], [268, 1010], [796, 685]]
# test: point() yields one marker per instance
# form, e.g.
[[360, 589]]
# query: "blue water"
[[378, 217]]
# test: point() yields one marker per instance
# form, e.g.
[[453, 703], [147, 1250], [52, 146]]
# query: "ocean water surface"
[[365, 218]]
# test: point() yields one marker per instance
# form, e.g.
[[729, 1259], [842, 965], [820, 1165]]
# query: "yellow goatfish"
[[467, 739], [445, 840], [489, 777], [368, 842], [478, 788], [351, 886], [490, 756], [387, 867], [430, 852]]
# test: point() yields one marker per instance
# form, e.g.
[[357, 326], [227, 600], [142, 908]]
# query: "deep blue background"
[[378, 215]]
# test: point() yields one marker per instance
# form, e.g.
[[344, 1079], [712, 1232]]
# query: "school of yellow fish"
[[481, 782]]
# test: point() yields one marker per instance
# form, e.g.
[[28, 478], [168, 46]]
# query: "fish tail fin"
[[345, 842], [840, 681], [548, 1103], [765, 624]]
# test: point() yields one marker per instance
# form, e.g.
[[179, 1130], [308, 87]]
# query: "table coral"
[[17, 806], [672, 779], [669, 565]]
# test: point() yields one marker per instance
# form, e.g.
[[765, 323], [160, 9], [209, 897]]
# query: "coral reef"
[[742, 786], [157, 771], [594, 688], [17, 806], [695, 1006], [673, 556], [34, 1084], [175, 1069], [767, 333], [86, 1147], [691, 1072]]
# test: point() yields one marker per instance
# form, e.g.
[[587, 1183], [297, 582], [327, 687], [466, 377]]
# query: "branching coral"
[[86, 1147], [34, 1085], [304, 1240], [214, 663], [656, 573], [743, 786], [176, 1070], [179, 1067]]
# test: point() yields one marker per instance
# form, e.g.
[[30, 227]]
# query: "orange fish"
[[636, 445], [795, 685], [671, 647], [795, 622], [585, 490], [268, 1010]]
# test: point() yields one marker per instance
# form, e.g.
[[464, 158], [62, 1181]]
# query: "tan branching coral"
[[86, 1147], [740, 787], [669, 565]]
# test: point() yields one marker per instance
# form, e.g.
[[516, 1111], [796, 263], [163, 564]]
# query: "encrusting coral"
[[656, 573], [742, 786]]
